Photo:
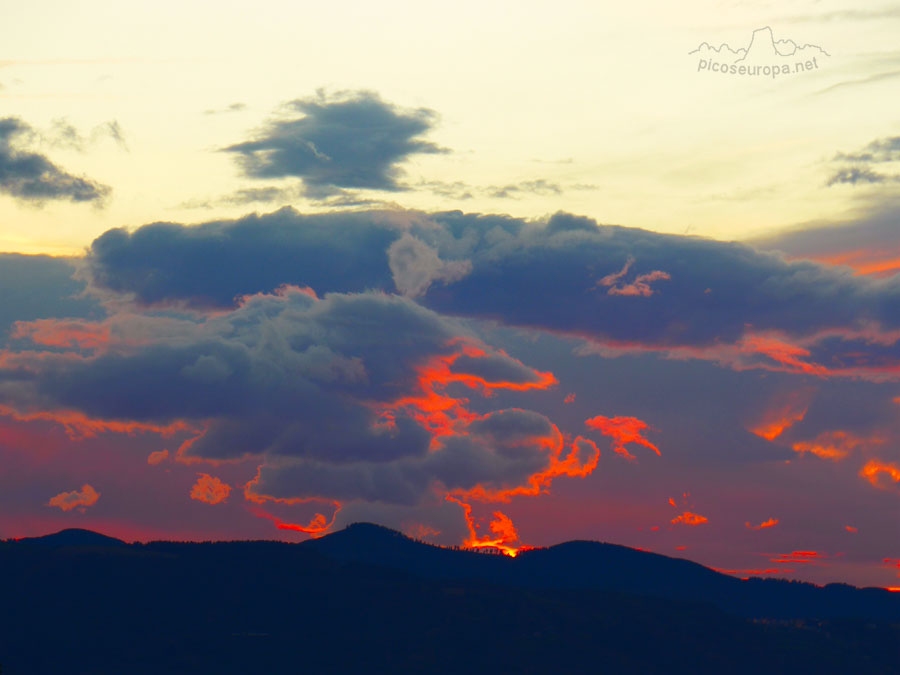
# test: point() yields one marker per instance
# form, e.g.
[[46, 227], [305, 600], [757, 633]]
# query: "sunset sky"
[[504, 273]]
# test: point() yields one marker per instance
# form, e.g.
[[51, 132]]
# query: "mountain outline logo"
[[763, 55]]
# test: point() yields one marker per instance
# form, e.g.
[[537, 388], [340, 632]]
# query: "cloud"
[[349, 398], [64, 134], [83, 498], [415, 266], [880, 474], [210, 489], [771, 522], [349, 140], [640, 286], [218, 262], [787, 409], [867, 243], [38, 287], [729, 303], [157, 457], [623, 430], [835, 445], [856, 175], [32, 177], [231, 108], [459, 190], [538, 186], [877, 77], [860, 171], [690, 518]]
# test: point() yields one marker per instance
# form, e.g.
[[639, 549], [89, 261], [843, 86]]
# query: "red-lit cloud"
[[504, 532], [62, 333], [877, 263], [79, 426], [689, 518], [799, 557], [76, 499], [622, 430], [771, 522], [786, 410], [835, 445], [640, 286], [210, 489], [880, 474], [755, 572], [157, 457]]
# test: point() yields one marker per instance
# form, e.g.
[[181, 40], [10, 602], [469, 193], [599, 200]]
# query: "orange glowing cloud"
[[157, 457], [788, 355], [570, 398], [771, 522], [210, 489], [579, 462], [874, 469], [877, 263], [688, 518], [62, 334], [672, 502], [835, 445], [317, 525], [79, 499], [622, 430], [441, 413], [788, 409], [505, 533], [79, 426], [800, 557], [851, 529], [754, 572]]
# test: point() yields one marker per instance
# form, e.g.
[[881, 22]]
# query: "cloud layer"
[[352, 140], [32, 177]]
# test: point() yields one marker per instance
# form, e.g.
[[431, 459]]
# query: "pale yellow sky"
[[599, 98]]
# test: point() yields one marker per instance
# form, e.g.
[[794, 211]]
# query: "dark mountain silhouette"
[[72, 537], [370, 600], [609, 567]]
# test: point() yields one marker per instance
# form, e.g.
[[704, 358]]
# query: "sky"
[[499, 275]]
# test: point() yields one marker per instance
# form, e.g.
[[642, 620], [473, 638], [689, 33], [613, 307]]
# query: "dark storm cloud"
[[351, 140], [32, 177], [554, 275], [487, 452], [332, 393], [39, 287], [213, 263]]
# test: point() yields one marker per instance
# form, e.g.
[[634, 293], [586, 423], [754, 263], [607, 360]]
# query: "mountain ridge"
[[369, 599]]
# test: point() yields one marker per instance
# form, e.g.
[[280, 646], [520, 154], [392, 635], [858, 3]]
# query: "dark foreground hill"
[[368, 600]]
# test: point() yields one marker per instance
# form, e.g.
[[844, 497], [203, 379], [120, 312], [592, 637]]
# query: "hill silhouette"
[[72, 537], [579, 565], [368, 599]]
